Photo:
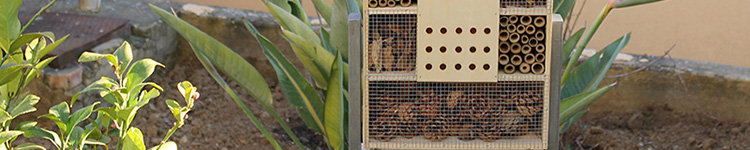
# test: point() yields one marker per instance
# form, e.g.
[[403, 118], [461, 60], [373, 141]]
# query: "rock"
[[588, 52], [735, 131], [64, 78], [708, 144], [643, 60], [595, 131], [622, 57], [197, 9], [726, 147], [691, 140]]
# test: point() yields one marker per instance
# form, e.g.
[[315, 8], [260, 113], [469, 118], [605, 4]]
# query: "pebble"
[[708, 144], [643, 60], [691, 140], [624, 57], [735, 131], [197, 9]]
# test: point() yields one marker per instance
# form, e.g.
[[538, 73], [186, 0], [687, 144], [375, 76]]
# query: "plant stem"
[[171, 131], [586, 40]]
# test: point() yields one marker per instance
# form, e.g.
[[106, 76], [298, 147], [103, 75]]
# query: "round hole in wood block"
[[473, 30], [428, 66], [428, 30], [487, 49], [457, 66], [443, 49], [459, 30], [472, 66], [472, 49], [486, 66], [443, 30], [428, 49], [487, 30], [442, 66], [458, 49]]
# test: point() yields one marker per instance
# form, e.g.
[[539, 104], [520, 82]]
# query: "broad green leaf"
[[23, 106], [10, 26], [26, 125], [9, 72], [289, 22], [89, 56], [564, 7], [229, 62], [28, 146], [353, 6], [103, 84], [572, 105], [95, 142], [127, 114], [37, 132], [137, 94], [298, 11], [124, 54], [145, 97], [133, 140], [320, 57], [281, 4], [571, 43], [186, 89], [5, 136], [324, 9], [60, 124], [572, 120], [107, 111], [628, 3], [174, 107], [326, 37], [5, 116], [586, 76], [318, 74], [74, 137], [25, 39], [140, 70], [50, 47], [300, 93], [80, 115], [340, 28], [33, 73], [334, 106], [169, 145]]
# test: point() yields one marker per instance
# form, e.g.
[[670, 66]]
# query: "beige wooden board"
[[453, 14], [530, 142]]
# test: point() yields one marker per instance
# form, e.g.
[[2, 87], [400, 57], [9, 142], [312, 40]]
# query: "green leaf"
[[23, 106], [103, 84], [300, 93], [628, 3], [324, 9], [5, 136], [108, 111], [289, 22], [574, 104], [25, 39], [36, 132], [145, 97], [51, 47], [26, 125], [563, 8], [5, 116], [571, 43], [89, 57], [187, 90], [326, 37], [334, 106], [572, 120], [586, 75], [95, 142], [229, 62], [166, 146], [75, 137], [133, 140], [123, 54], [28, 146], [175, 107], [33, 73], [80, 115], [10, 26], [340, 28], [10, 72], [322, 58], [140, 70]]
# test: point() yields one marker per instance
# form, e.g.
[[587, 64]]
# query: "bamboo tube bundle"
[[539, 21], [504, 35], [391, 3], [511, 28], [539, 35], [515, 48], [525, 39], [382, 3], [373, 3], [529, 58], [526, 20], [526, 49], [521, 29], [533, 42], [539, 57], [516, 60], [540, 48], [406, 3], [513, 19], [504, 21], [514, 37], [504, 47], [524, 68], [503, 59], [530, 29], [537, 68], [509, 69]]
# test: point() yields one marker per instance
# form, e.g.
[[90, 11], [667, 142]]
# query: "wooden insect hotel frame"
[[458, 74]]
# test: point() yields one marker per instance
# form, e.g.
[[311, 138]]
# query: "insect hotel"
[[457, 74]]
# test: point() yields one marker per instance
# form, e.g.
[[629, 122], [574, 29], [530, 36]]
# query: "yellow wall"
[[706, 30]]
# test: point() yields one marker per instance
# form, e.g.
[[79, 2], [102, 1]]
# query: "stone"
[[643, 60], [588, 52], [708, 144], [622, 57], [197, 9], [64, 78]]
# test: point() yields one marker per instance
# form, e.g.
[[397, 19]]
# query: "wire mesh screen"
[[524, 4], [469, 112], [522, 44], [392, 42]]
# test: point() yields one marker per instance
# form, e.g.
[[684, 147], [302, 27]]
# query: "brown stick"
[[521, 29], [537, 68], [391, 3], [504, 35], [539, 57], [526, 49], [530, 29], [382, 3], [373, 3], [539, 35], [529, 58], [503, 59], [516, 60], [504, 47], [540, 48], [526, 20], [509, 69], [406, 3], [515, 48], [511, 28], [524, 68], [525, 39], [539, 22], [504, 21], [513, 19], [514, 37]]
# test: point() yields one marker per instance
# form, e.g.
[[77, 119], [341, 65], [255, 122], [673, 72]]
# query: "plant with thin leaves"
[[21, 60], [323, 56], [580, 83]]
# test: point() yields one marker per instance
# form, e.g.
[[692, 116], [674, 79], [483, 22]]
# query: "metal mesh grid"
[[392, 43], [469, 112], [524, 4], [522, 44]]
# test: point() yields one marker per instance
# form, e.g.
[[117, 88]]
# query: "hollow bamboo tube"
[[504, 21], [504, 35], [406, 3], [514, 37], [516, 60], [539, 57], [515, 48], [503, 59], [526, 49], [521, 29], [539, 21], [513, 19], [539, 35], [529, 58], [509, 69], [540, 48], [511, 28], [382, 3], [530, 29], [524, 39], [373, 3], [526, 20], [504, 47], [537, 68], [391, 3], [533, 42], [524, 68]]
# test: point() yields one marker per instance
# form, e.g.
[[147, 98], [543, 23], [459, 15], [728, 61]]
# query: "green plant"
[[323, 56], [580, 86], [22, 61]]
